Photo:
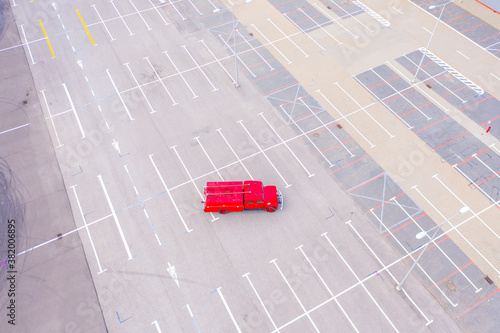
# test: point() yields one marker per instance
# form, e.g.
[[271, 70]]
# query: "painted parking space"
[[394, 197], [475, 29], [145, 198], [443, 134]]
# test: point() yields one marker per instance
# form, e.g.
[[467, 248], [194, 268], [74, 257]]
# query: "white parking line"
[[178, 12], [180, 74], [67, 36], [286, 145], [387, 97], [494, 204], [140, 88], [88, 231], [455, 30], [294, 294], [490, 47], [335, 20], [264, 153], [401, 95], [475, 185], [239, 160], [191, 179], [271, 43], [206, 154], [320, 26], [400, 12], [217, 60], [463, 204], [215, 7], [436, 80], [453, 72], [398, 72], [493, 147], [459, 232], [201, 70], [307, 136], [345, 118], [326, 127], [495, 174], [237, 55], [480, 219], [158, 12], [256, 51], [14, 128], [436, 244], [381, 100], [389, 272], [228, 57], [306, 34], [104, 24], [27, 44], [97, 102], [228, 310], [74, 110], [314, 268], [156, 325], [362, 284], [362, 108], [121, 17], [417, 87], [63, 235], [353, 16], [119, 95], [260, 300], [169, 194], [409, 254], [61, 113], [143, 207], [327, 288], [482, 211], [192, 316], [463, 55], [287, 37], [117, 222], [140, 15], [195, 7], [161, 81], [284, 142]]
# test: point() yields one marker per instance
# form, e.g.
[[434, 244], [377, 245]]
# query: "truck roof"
[[253, 190]]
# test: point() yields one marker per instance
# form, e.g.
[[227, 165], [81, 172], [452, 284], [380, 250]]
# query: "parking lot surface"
[[377, 122]]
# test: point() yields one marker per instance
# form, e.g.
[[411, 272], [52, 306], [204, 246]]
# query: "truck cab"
[[259, 197]]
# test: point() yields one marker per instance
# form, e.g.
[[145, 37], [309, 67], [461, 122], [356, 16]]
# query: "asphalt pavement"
[[116, 114]]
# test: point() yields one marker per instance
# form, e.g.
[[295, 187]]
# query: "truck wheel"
[[270, 209], [223, 211]]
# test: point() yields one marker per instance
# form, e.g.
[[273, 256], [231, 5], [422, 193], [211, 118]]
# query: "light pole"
[[430, 39], [237, 83], [421, 235]]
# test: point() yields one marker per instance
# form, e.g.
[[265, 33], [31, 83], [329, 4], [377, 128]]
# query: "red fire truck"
[[225, 197]]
